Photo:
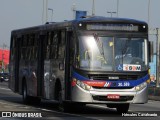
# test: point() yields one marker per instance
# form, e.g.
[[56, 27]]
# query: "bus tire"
[[29, 99], [122, 108], [26, 98]]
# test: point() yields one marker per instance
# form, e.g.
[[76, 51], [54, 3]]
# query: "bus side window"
[[36, 46], [54, 45], [25, 41], [61, 44], [48, 45], [29, 37], [72, 47], [21, 46], [13, 48], [32, 47]]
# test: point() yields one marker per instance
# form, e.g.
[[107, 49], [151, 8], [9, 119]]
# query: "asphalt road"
[[12, 103]]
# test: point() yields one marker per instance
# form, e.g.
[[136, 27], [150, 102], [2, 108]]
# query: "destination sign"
[[113, 27]]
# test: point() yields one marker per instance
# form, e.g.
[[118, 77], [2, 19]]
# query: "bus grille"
[[104, 98], [107, 77]]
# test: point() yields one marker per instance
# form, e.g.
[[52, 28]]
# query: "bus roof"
[[110, 19], [72, 22]]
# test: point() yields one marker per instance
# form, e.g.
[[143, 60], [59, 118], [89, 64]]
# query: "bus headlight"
[[78, 82], [88, 87], [83, 85], [141, 86]]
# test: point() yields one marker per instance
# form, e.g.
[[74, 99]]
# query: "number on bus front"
[[123, 84]]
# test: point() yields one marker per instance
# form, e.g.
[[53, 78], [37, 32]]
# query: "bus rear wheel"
[[29, 99], [26, 98]]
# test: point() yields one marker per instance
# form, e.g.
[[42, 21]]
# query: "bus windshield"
[[112, 53]]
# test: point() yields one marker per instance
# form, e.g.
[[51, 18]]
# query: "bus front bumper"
[[100, 95]]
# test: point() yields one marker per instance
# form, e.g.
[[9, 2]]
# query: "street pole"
[[43, 13], [74, 10], [46, 11], [158, 57], [149, 13], [117, 7], [93, 8]]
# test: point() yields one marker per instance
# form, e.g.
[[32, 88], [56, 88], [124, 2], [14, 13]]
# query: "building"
[[4, 59]]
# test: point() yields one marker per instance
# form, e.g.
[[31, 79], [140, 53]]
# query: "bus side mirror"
[[61, 66], [150, 50]]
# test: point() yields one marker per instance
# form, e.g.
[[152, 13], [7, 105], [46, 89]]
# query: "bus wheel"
[[122, 108], [26, 98], [29, 99]]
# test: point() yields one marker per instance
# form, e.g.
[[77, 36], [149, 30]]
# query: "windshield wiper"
[[100, 46], [125, 48]]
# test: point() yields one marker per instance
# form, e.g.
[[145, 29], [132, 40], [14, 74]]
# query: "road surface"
[[11, 105]]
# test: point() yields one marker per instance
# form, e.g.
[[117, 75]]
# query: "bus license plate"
[[113, 96]]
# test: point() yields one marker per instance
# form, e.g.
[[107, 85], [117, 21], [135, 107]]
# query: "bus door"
[[51, 60], [40, 66], [16, 64], [68, 62]]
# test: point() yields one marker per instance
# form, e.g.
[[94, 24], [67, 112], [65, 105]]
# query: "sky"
[[16, 14]]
